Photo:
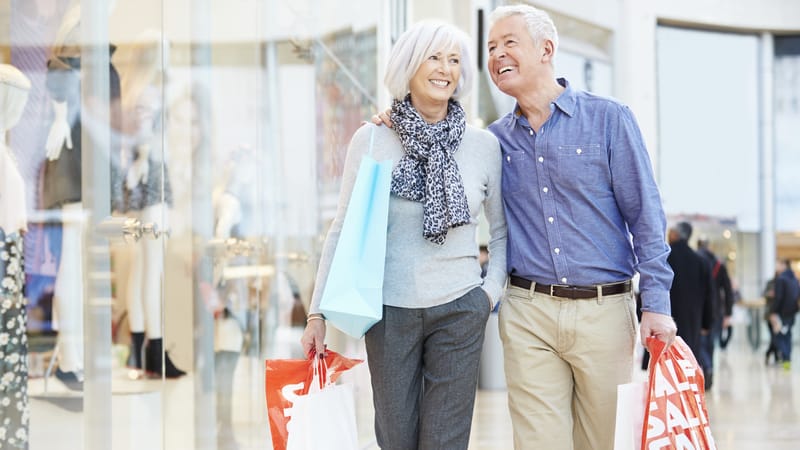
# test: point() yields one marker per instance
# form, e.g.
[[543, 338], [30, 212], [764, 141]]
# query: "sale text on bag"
[[677, 417]]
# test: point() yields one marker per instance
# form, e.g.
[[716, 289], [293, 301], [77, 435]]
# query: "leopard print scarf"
[[428, 173]]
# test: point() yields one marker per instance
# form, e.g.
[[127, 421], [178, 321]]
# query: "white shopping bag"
[[630, 415], [324, 419]]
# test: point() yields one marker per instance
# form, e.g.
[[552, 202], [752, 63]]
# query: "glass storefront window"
[[167, 155]]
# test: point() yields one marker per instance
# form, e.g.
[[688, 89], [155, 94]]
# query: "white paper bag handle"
[[320, 372]]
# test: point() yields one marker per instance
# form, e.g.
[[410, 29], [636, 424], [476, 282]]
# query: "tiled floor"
[[751, 407]]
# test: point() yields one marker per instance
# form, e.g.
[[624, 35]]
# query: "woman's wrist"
[[315, 316]]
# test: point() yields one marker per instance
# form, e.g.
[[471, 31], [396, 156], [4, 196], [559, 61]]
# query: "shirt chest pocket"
[[519, 173], [583, 164]]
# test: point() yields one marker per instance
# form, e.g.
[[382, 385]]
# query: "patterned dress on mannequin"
[[13, 344]]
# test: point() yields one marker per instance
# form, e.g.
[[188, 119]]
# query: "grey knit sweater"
[[418, 273]]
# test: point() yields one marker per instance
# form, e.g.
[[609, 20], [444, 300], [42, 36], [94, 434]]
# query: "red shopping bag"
[[677, 417], [285, 379]]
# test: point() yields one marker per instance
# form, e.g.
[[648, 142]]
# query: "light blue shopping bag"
[[353, 296]]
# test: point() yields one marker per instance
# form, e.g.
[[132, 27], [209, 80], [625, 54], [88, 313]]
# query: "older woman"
[[423, 355]]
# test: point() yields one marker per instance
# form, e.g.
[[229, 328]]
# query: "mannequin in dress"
[[14, 87], [62, 189], [147, 195]]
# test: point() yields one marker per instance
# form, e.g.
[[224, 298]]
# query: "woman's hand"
[[489, 297], [313, 340]]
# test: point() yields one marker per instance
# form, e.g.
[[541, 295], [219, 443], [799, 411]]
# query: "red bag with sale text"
[[677, 417], [285, 379]]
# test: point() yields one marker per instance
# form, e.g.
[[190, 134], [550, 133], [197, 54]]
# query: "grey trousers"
[[424, 368]]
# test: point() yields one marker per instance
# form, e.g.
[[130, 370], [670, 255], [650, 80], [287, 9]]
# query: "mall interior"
[[180, 163]]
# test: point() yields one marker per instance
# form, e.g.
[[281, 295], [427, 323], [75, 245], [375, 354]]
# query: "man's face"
[[513, 56]]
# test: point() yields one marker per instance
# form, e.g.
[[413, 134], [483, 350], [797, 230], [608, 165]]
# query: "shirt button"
[[545, 190], [550, 219], [508, 158], [579, 151], [557, 250], [541, 159], [564, 280], [530, 130]]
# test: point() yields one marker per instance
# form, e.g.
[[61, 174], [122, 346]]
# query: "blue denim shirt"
[[581, 202]]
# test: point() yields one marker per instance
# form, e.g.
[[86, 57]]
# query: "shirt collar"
[[566, 102]]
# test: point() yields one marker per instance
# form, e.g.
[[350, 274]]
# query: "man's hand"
[[660, 326], [382, 118], [313, 340]]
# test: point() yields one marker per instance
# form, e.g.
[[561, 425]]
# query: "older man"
[[584, 213]]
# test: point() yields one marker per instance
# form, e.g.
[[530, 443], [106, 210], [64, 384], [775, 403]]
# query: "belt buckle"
[[553, 287]]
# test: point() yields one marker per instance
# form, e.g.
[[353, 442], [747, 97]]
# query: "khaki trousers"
[[563, 361]]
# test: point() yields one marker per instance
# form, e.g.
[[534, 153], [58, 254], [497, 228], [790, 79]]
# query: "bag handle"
[[371, 139], [319, 380]]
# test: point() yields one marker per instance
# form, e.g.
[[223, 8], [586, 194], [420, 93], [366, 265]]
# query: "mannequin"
[[62, 190], [233, 202], [146, 195], [14, 87]]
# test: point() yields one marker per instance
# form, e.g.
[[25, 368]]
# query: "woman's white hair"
[[540, 25], [419, 42]]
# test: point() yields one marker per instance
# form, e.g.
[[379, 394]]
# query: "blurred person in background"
[[769, 298], [691, 292], [722, 299], [783, 310]]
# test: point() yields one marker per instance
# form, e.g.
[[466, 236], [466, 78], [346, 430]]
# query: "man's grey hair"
[[540, 25], [418, 43]]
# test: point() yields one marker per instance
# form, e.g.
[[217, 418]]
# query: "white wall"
[[709, 124], [771, 15], [787, 144]]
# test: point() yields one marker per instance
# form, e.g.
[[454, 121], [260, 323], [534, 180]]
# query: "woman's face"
[[436, 78]]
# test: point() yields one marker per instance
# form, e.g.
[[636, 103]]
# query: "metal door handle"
[[129, 229], [232, 247]]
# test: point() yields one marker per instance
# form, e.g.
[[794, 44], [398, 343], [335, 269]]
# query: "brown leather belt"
[[572, 292]]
